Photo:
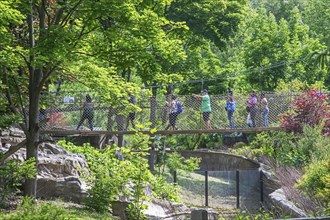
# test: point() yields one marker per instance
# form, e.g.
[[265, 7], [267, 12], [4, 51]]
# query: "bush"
[[310, 108], [28, 210], [316, 182], [12, 175], [121, 172], [31, 210], [175, 161]]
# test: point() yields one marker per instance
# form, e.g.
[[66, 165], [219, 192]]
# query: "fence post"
[[206, 188], [261, 187], [237, 189]]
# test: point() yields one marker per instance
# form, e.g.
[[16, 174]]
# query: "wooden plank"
[[163, 132]]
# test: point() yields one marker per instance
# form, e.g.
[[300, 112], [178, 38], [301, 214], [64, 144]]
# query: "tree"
[[214, 20], [67, 39], [317, 17], [272, 50], [279, 8]]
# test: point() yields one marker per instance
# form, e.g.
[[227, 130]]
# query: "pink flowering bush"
[[57, 119], [309, 108]]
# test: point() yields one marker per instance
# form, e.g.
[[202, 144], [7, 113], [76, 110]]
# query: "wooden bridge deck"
[[162, 132]]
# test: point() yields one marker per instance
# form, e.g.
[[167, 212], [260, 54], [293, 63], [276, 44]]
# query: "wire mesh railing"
[[67, 111]]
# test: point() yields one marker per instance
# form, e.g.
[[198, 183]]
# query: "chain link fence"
[[68, 110]]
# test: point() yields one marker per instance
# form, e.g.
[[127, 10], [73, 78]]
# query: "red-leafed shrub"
[[57, 119], [309, 108]]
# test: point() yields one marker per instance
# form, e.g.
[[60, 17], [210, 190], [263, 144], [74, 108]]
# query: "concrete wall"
[[217, 161]]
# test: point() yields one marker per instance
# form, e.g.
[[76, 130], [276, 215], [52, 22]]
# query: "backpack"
[[179, 108], [230, 107]]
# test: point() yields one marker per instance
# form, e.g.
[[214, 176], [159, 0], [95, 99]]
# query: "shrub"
[[57, 119], [12, 175], [128, 175], [309, 108], [28, 210], [316, 182], [175, 161]]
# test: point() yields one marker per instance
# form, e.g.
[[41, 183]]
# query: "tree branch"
[[19, 93], [13, 149], [66, 18]]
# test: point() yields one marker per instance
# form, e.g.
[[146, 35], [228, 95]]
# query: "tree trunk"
[[32, 136]]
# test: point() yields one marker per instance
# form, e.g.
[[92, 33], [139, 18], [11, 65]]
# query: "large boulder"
[[59, 171], [278, 197]]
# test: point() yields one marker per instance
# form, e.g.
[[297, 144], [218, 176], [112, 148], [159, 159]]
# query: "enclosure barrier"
[[221, 189]]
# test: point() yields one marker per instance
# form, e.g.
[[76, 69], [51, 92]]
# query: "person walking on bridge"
[[252, 107], [206, 106], [173, 106], [88, 112], [230, 108], [264, 109], [131, 115]]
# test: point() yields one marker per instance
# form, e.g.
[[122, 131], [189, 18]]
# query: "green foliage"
[[288, 148], [40, 210], [164, 190], [309, 150], [318, 19], [273, 50], [110, 176], [207, 18], [175, 161], [316, 182], [29, 210], [8, 119], [263, 215], [12, 174]]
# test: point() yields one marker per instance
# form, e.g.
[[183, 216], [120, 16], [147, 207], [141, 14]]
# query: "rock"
[[204, 214], [157, 209], [163, 209], [68, 188], [278, 197], [59, 172], [15, 132]]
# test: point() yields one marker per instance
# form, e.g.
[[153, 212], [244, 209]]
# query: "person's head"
[[230, 92], [173, 97], [88, 98], [252, 93], [204, 92], [262, 95]]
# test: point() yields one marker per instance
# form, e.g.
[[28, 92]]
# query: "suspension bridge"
[[151, 115]]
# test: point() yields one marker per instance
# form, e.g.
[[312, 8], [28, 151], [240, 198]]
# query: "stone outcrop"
[[278, 197], [59, 171]]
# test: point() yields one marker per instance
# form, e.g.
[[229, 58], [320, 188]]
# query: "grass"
[[58, 210]]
